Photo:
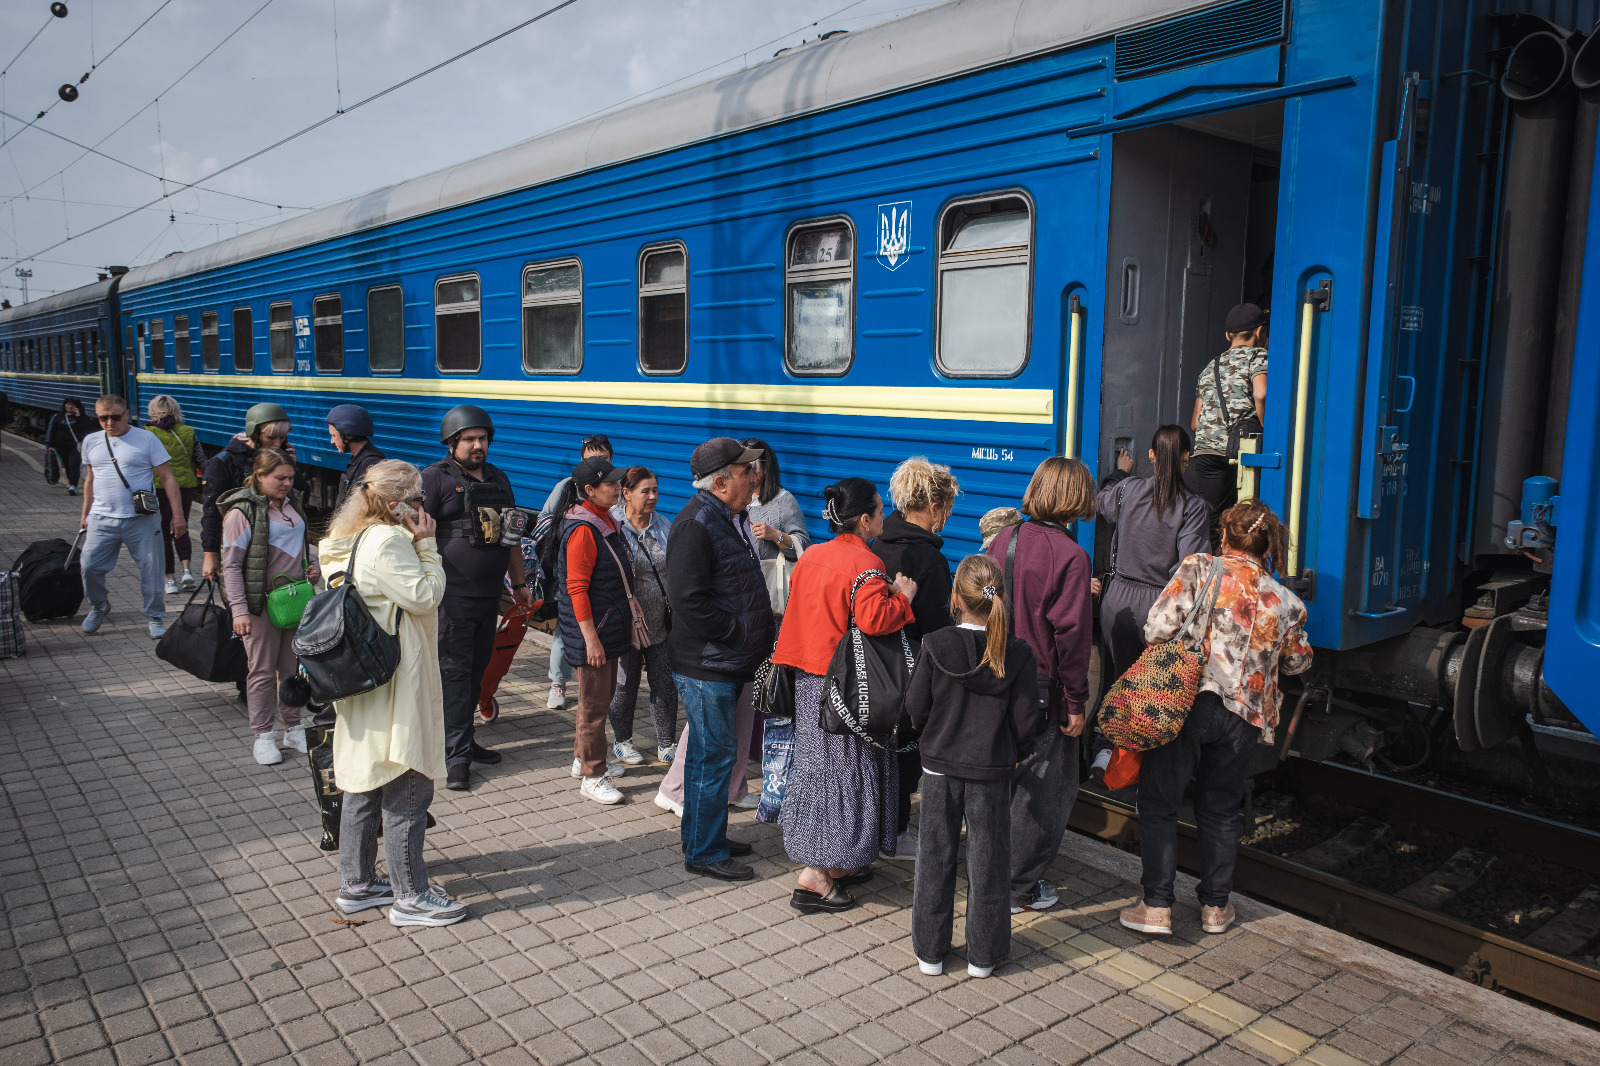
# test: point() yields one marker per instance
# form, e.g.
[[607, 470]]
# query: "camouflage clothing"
[[1255, 623], [1239, 368]]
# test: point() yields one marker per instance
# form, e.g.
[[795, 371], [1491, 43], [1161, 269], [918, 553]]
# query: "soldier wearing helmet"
[[465, 494], [350, 431], [264, 424]]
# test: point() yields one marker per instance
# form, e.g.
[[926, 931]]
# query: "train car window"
[[244, 341], [180, 343], [664, 310], [457, 318], [552, 318], [280, 336], [158, 345], [210, 355], [819, 285], [386, 330], [985, 271], [327, 333], [143, 351]]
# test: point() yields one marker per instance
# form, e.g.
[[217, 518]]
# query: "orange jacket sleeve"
[[880, 609], [581, 551]]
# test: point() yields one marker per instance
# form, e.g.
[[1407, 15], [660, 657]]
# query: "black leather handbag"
[[201, 640], [864, 694], [774, 691], [343, 651]]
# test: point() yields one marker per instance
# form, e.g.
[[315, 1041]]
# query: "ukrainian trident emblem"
[[894, 233]]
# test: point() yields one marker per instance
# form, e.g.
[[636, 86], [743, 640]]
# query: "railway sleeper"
[[1354, 841], [1460, 872], [1570, 931]]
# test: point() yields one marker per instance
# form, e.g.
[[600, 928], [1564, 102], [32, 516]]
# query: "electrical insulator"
[[58, 9], [68, 92]]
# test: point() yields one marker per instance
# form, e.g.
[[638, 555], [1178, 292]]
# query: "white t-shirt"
[[138, 453]]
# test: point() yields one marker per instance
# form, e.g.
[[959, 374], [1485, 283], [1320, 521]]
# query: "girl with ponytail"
[[975, 696]]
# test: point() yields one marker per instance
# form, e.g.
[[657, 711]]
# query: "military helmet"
[[351, 420], [462, 418], [262, 413]]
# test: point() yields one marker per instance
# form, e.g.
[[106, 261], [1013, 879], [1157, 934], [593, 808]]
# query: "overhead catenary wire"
[[26, 46], [319, 123]]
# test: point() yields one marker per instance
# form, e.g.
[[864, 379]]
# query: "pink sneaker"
[[1216, 919], [1142, 918]]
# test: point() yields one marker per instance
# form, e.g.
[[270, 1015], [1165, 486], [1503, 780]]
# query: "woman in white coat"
[[388, 744]]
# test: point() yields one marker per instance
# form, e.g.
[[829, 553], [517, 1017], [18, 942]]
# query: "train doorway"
[[1194, 211]]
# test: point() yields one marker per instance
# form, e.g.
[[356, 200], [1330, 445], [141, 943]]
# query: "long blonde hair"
[[979, 592], [390, 481]]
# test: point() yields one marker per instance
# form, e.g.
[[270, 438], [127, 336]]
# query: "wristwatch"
[[524, 584]]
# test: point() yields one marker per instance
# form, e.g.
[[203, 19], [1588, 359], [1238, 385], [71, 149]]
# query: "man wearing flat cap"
[[1229, 402], [721, 631]]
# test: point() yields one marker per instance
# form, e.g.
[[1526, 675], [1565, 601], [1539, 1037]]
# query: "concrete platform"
[[164, 899]]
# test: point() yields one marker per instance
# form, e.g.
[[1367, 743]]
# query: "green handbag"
[[287, 599]]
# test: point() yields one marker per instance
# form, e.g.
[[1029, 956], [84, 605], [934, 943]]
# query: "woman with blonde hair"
[[264, 539], [187, 460], [1047, 575], [924, 495], [388, 744], [974, 695]]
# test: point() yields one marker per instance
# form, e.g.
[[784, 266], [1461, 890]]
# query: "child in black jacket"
[[974, 695]]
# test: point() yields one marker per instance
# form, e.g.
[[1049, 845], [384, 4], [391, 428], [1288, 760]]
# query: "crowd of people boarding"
[[744, 622]]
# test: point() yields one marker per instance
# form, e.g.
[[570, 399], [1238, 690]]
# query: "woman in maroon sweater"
[[1050, 601]]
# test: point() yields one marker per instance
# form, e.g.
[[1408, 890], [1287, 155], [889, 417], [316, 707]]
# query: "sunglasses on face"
[[111, 418]]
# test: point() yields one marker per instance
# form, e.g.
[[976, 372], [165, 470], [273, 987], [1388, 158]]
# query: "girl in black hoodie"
[[974, 696]]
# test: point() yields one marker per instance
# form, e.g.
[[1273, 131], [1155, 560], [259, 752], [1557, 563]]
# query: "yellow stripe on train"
[[1033, 406]]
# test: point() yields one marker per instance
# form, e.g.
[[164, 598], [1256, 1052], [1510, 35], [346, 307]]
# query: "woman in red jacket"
[[1048, 585], [839, 810]]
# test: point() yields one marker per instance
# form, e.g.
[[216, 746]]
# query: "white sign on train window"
[[894, 233]]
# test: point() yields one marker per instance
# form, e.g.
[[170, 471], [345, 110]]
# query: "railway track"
[[1416, 869]]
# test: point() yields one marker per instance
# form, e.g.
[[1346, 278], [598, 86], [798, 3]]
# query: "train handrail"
[[1074, 366], [1319, 298]]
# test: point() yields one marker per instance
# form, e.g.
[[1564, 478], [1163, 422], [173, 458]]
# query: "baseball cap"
[[1244, 318], [594, 471], [717, 453]]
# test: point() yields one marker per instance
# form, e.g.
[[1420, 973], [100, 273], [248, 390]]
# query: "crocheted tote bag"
[[1146, 707]]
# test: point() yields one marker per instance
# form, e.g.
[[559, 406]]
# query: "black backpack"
[[343, 651], [51, 584]]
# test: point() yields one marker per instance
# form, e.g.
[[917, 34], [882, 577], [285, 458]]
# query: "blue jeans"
[[560, 670], [142, 535], [711, 709]]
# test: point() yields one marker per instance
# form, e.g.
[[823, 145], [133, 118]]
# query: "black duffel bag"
[[864, 693], [343, 651], [49, 579], [201, 640]]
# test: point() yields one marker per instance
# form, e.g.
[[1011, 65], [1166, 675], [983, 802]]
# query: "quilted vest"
[[608, 599], [254, 505], [179, 443]]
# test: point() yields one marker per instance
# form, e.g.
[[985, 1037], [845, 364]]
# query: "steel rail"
[[1474, 954]]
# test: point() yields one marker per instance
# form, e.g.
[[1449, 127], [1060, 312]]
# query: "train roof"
[[60, 301], [953, 38]]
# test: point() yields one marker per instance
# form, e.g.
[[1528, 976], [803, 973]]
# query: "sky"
[[181, 88]]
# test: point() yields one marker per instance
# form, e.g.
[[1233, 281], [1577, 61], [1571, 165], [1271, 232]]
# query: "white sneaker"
[[187, 581], [1102, 760], [172, 587], [626, 753], [974, 970], [158, 629], [295, 738], [932, 969], [267, 753], [613, 769], [558, 696], [433, 907], [667, 804], [667, 752], [905, 848], [72, 490], [96, 615], [600, 789], [747, 802]]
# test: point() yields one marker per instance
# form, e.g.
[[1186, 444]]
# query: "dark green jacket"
[[254, 505]]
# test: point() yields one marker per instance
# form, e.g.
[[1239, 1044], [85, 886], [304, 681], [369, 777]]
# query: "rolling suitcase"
[[507, 639], [50, 582]]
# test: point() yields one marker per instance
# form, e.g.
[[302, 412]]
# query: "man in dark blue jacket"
[[721, 631]]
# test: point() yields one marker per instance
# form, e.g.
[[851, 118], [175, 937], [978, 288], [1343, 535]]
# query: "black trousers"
[[986, 805], [1214, 749], [72, 464], [466, 641], [1211, 477], [1043, 791], [910, 780]]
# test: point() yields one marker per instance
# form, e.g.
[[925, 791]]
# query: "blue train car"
[[59, 346], [986, 233]]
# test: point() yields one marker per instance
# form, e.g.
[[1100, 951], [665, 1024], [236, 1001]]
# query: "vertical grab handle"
[[1318, 299], [1074, 372]]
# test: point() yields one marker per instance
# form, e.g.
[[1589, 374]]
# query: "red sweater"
[[818, 612], [581, 552]]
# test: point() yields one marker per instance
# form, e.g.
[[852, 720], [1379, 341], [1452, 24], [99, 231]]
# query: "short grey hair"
[[705, 483]]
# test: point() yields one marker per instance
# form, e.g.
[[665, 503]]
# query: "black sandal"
[[856, 877], [808, 902]]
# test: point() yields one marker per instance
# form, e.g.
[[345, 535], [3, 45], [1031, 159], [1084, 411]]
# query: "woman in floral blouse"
[[1256, 625]]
